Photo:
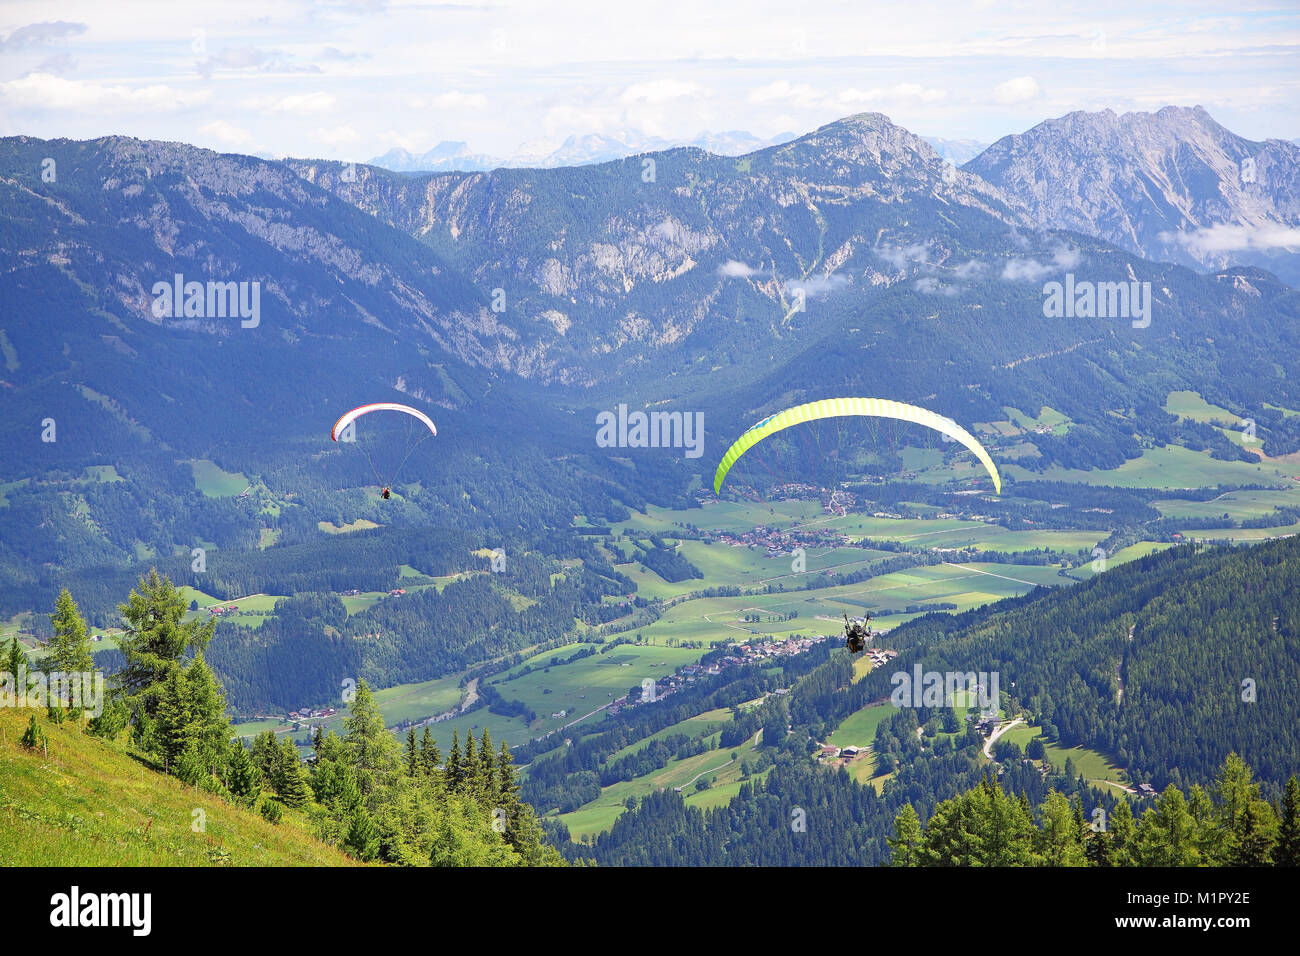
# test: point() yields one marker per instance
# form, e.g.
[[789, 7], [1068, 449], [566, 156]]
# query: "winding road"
[[993, 737]]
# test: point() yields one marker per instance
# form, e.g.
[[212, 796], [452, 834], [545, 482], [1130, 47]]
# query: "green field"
[[590, 683], [1192, 406], [859, 728], [1094, 766], [361, 524], [701, 725], [1048, 417], [1237, 505], [213, 481], [91, 803], [745, 567], [103, 474], [821, 610], [600, 814], [1170, 467]]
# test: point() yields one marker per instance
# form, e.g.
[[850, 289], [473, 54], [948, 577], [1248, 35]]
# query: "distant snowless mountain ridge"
[[576, 150], [583, 150]]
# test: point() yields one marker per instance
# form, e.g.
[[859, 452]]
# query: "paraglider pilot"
[[856, 633], [386, 493]]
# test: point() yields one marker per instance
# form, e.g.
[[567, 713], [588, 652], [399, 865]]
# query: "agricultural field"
[[859, 728], [599, 815], [1192, 406], [744, 567], [1242, 534], [583, 686], [361, 524], [706, 724], [1048, 417], [402, 702], [1169, 467], [1237, 505], [820, 611], [103, 474]]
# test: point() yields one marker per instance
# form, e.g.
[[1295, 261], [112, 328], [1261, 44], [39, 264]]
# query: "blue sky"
[[349, 80]]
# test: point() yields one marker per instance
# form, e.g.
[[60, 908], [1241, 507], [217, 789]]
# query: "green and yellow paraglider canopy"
[[834, 407]]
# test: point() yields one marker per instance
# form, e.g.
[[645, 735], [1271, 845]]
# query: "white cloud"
[[1019, 90], [816, 286], [900, 257], [1066, 257], [661, 91], [43, 91], [335, 136], [900, 92], [302, 103], [1025, 270], [1063, 257], [1238, 238], [456, 100], [932, 286], [736, 270], [226, 134], [784, 91]]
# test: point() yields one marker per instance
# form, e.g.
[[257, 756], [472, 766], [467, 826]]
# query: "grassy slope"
[[89, 803]]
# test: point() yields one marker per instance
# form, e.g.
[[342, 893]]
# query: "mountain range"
[[853, 257], [1172, 185]]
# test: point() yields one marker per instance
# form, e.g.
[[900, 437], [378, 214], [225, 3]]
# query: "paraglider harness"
[[856, 633], [386, 492]]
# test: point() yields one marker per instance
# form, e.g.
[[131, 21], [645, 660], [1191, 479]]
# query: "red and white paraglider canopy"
[[350, 417]]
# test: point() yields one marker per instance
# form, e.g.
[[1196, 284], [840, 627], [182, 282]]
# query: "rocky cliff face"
[[1172, 185], [640, 253]]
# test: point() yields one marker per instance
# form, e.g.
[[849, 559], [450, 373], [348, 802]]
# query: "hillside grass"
[[88, 802]]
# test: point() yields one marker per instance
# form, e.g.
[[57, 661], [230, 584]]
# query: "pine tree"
[[905, 844], [453, 763], [1252, 841], [155, 639], [1167, 834], [210, 727], [429, 755], [243, 778], [1059, 838], [507, 782], [170, 728], [412, 756], [362, 839], [1097, 849], [190, 718], [70, 647], [1123, 833], [373, 750], [469, 767], [266, 753], [290, 780], [487, 774], [1234, 789], [16, 661], [1211, 838], [1286, 851]]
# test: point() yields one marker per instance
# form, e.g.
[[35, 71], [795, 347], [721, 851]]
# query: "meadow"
[[215, 482], [87, 802]]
